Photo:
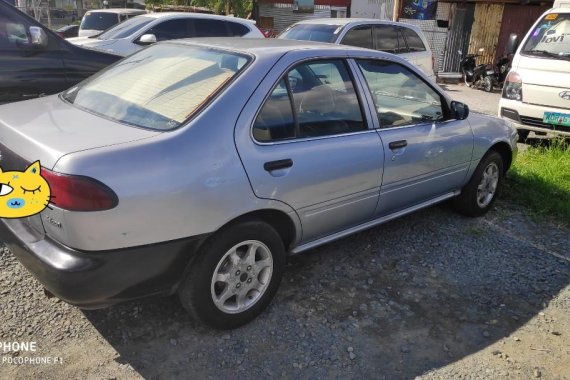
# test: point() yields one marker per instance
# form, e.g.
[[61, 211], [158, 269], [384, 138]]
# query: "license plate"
[[556, 118]]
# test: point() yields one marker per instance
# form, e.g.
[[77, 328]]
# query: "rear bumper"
[[529, 117], [99, 279]]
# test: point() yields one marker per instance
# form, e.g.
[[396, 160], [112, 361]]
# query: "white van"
[[94, 22], [536, 93]]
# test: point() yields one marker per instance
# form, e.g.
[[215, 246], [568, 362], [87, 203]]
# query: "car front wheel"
[[236, 275], [481, 191]]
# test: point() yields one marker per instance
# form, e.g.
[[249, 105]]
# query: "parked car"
[[35, 61], [406, 40], [196, 166], [536, 93], [68, 31], [139, 32], [94, 22]]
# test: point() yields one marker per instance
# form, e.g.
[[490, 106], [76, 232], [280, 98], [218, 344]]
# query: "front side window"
[[414, 41], [361, 36], [170, 30], [159, 87], [126, 29], [314, 99], [550, 37], [12, 35], [400, 96]]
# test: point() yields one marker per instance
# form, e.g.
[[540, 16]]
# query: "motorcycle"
[[482, 76], [503, 66]]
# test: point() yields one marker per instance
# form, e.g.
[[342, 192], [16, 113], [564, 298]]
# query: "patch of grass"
[[540, 180]]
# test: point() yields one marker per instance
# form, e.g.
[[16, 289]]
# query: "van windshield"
[[126, 28], [159, 87], [550, 38], [98, 21], [315, 32]]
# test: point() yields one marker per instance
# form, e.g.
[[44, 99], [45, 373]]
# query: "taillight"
[[79, 193]]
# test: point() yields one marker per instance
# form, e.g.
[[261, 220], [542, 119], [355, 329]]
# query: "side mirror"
[[39, 37], [147, 39], [459, 111], [512, 44]]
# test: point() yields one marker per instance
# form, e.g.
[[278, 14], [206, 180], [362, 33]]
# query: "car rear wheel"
[[481, 191], [235, 276]]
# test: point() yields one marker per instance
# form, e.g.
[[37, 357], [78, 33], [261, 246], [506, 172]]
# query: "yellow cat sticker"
[[24, 193]]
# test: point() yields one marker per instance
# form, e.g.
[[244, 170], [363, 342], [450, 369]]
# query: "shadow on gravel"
[[391, 302]]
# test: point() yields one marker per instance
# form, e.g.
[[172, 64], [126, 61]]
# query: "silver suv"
[[399, 38]]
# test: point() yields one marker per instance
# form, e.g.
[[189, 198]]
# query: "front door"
[[426, 153], [312, 147]]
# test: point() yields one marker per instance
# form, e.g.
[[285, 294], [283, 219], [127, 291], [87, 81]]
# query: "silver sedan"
[[196, 167]]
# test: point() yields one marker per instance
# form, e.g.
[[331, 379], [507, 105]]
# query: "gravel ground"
[[432, 295]]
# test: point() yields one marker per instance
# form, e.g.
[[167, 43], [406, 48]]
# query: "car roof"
[[353, 21], [266, 46], [164, 15], [118, 10]]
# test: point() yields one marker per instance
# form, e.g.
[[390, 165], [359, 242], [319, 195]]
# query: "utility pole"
[[396, 10], [79, 6]]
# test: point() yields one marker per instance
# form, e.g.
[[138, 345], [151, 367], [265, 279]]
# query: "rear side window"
[[389, 40], [414, 41], [314, 99], [170, 30], [237, 30], [210, 28], [360, 36]]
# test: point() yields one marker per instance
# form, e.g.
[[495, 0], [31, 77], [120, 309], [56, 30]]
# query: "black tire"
[[196, 291], [487, 84], [468, 202], [523, 135]]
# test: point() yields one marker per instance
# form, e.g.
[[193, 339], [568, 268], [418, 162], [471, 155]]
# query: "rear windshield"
[[316, 32], [98, 20], [159, 87], [550, 38], [126, 28]]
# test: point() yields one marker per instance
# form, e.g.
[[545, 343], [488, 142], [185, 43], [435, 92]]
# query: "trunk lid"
[[49, 128]]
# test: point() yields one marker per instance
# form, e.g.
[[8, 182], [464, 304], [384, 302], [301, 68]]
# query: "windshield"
[[159, 87], [126, 28], [98, 21], [550, 38], [315, 32]]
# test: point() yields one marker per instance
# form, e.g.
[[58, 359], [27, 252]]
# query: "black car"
[[68, 31], [35, 61]]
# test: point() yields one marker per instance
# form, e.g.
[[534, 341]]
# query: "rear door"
[[312, 146]]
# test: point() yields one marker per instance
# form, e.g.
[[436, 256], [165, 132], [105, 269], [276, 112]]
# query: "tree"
[[240, 8]]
